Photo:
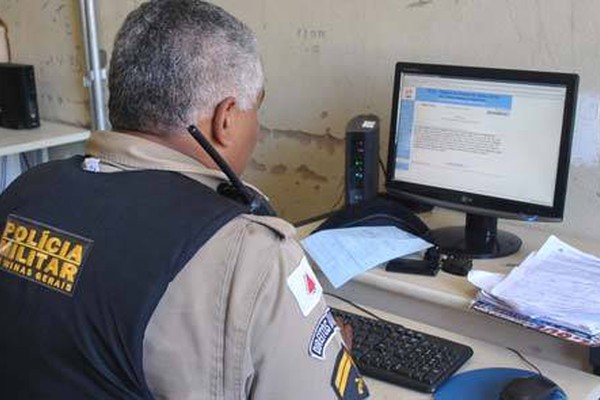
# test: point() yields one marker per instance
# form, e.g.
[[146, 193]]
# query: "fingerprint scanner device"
[[362, 156], [489, 384]]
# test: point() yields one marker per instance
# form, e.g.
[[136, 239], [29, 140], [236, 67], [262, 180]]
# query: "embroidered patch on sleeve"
[[346, 381], [324, 332], [42, 254], [305, 287]]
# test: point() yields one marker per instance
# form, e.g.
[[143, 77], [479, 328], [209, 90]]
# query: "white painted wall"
[[327, 60], [46, 33]]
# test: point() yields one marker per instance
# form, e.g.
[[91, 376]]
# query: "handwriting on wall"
[[311, 39]]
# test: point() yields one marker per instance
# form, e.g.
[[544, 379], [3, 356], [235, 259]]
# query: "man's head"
[[182, 62]]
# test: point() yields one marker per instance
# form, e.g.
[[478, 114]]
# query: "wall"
[[46, 33], [327, 60]]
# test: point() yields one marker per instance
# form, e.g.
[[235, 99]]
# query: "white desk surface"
[[578, 385], [49, 134], [449, 290], [444, 301]]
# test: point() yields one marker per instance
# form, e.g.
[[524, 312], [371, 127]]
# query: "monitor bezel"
[[476, 203]]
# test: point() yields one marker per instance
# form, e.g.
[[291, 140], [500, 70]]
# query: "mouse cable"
[[353, 304], [522, 357]]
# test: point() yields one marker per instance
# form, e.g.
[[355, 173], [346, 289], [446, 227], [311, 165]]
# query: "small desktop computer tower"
[[362, 157], [18, 97]]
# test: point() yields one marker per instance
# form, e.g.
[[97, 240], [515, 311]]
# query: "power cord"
[[382, 166], [23, 157], [353, 304], [522, 357]]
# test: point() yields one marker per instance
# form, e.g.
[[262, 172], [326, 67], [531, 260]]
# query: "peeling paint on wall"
[[255, 165], [322, 70], [326, 141], [278, 169], [419, 3], [308, 174], [303, 171]]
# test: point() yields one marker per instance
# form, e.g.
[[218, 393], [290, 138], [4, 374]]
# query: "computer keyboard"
[[402, 356]]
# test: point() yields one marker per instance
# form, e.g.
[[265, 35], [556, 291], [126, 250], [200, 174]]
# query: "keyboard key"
[[409, 358]]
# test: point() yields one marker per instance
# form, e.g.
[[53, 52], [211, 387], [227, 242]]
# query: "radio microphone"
[[234, 190]]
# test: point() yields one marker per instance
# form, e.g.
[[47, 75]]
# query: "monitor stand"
[[479, 238]]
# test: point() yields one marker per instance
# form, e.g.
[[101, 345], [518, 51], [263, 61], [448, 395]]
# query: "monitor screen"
[[487, 141]]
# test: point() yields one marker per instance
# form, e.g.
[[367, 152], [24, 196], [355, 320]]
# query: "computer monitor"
[[493, 143]]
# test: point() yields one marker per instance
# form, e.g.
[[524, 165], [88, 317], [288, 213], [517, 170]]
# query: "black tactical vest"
[[84, 260]]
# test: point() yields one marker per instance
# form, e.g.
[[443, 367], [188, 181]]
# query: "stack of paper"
[[345, 253], [555, 287]]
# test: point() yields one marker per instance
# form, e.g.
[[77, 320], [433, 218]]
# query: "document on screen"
[[478, 136]]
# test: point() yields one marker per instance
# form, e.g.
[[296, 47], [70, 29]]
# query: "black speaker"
[[18, 97], [362, 157]]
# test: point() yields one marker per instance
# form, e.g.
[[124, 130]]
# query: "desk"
[[444, 301], [578, 385], [49, 134]]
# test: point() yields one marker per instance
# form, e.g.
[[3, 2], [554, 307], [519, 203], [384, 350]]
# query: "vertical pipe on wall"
[[4, 45], [95, 74], [86, 53]]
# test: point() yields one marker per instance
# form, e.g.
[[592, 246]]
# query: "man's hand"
[[347, 333]]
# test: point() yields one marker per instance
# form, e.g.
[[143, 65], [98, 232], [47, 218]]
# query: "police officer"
[[125, 275]]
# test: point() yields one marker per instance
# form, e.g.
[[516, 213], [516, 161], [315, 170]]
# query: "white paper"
[[345, 253], [484, 280], [559, 283]]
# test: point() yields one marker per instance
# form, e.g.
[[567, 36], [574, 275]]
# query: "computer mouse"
[[535, 387]]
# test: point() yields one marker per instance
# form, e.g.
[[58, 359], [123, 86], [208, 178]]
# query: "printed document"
[[345, 253], [559, 283]]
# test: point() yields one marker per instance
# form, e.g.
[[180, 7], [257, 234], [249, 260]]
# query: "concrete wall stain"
[[322, 70], [325, 141], [309, 174], [278, 169], [257, 165], [301, 168], [419, 3]]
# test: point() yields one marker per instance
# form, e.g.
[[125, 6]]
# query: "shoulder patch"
[[305, 287], [43, 254], [324, 332], [281, 227], [347, 382]]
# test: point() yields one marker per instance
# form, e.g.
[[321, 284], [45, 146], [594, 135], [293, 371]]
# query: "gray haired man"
[[125, 275]]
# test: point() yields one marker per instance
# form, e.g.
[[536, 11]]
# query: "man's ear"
[[223, 122]]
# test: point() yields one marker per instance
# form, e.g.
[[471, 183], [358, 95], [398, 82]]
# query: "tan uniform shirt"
[[228, 326]]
